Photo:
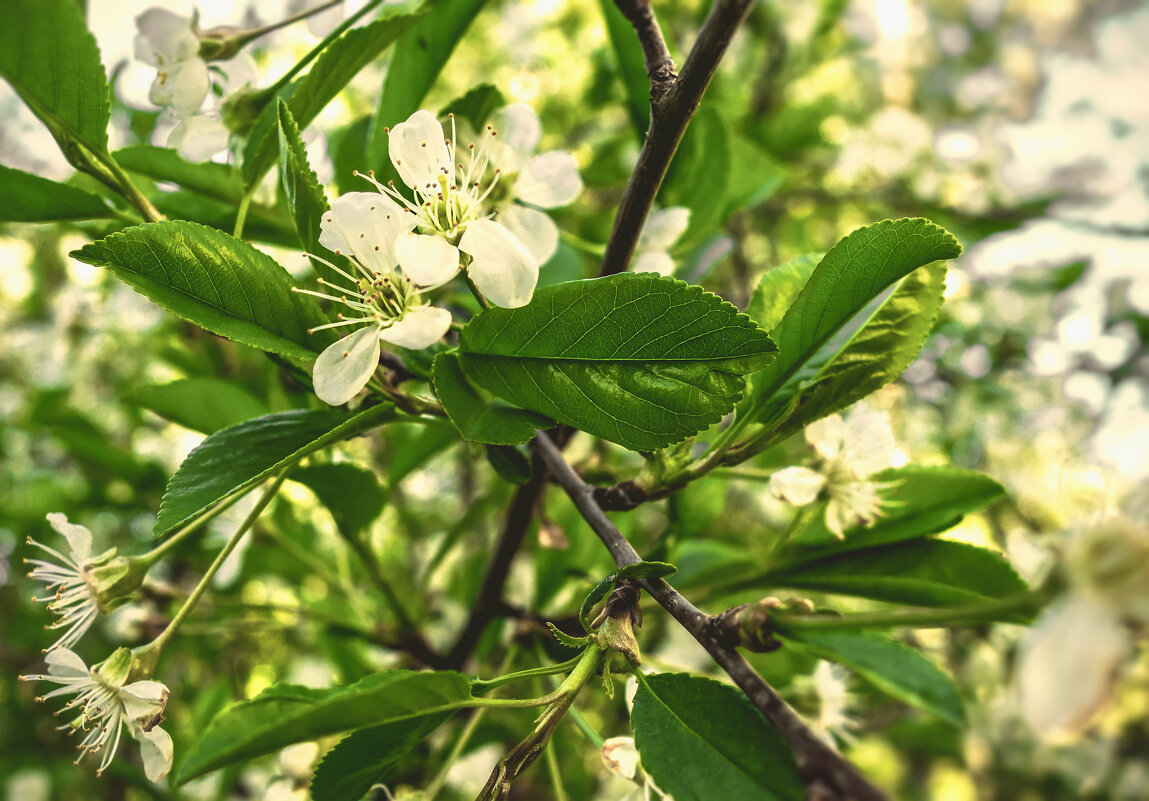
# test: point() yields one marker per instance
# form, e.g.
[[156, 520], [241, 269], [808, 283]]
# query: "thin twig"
[[822, 767], [672, 106]]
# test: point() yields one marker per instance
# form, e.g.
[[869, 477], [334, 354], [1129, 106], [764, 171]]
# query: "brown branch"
[[671, 110], [827, 775]]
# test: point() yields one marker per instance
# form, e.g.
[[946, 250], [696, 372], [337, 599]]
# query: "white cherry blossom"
[[851, 449], [662, 229], [375, 234], [168, 42], [107, 703]]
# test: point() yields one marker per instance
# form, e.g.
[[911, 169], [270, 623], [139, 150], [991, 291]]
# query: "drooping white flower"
[[83, 586], [107, 703], [851, 449], [450, 204], [168, 42], [544, 181], [376, 235], [662, 229], [834, 721]]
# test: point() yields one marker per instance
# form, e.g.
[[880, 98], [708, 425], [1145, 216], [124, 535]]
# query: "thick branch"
[[655, 55], [826, 773], [671, 111]]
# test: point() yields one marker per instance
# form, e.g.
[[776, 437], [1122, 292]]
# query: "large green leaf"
[[917, 573], [284, 714], [335, 67], [852, 274], [202, 403], [212, 279], [363, 758], [52, 61], [29, 198], [777, 289], [219, 181], [892, 667], [305, 197], [478, 416], [641, 360], [704, 741], [419, 56], [351, 493], [476, 106], [236, 458], [631, 66]]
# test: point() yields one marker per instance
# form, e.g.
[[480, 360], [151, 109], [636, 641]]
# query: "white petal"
[[429, 261], [156, 751], [144, 699], [549, 180], [519, 132], [346, 366], [797, 485], [182, 85], [198, 138], [79, 538], [502, 267], [620, 756], [1067, 664], [65, 664], [868, 443], [655, 261], [839, 518], [365, 225], [826, 435], [534, 229], [237, 72], [164, 34], [419, 152], [421, 327], [663, 228]]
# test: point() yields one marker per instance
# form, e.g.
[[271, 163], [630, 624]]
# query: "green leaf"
[[704, 741], [641, 360], [219, 181], [476, 105], [917, 573], [419, 57], [365, 757], [212, 279], [758, 176], [478, 416], [631, 66], [202, 404], [891, 666], [921, 501], [29, 198], [305, 197], [777, 289], [335, 67], [636, 571], [877, 353], [285, 713], [352, 494], [53, 63], [852, 274], [698, 175], [412, 445], [239, 457]]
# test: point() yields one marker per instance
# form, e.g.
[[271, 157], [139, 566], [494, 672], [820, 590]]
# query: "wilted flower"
[[851, 450], [168, 42], [83, 586], [375, 235], [620, 756], [106, 703], [545, 181], [662, 229]]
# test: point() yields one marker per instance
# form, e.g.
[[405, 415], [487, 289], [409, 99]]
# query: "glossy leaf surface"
[[478, 416]]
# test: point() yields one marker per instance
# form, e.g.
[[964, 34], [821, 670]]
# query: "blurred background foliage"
[[1019, 125]]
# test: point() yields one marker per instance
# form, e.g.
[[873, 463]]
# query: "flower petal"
[[519, 132], [429, 261], [620, 756], [536, 230], [365, 225], [164, 36], [419, 152], [1067, 664], [826, 435], [549, 180], [182, 85], [501, 267], [79, 538], [663, 228], [655, 261], [421, 327], [156, 751], [346, 366], [65, 664], [198, 138], [868, 443], [797, 485], [143, 700]]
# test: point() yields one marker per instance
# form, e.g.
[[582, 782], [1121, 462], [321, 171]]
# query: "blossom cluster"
[[402, 245]]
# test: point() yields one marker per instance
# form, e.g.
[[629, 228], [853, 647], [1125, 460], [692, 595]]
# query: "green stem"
[[275, 26], [456, 751], [483, 302], [982, 612], [287, 77], [555, 774], [585, 727], [188, 528], [241, 213], [147, 655], [586, 246], [480, 686]]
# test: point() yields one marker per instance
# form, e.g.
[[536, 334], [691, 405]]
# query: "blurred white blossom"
[[662, 229]]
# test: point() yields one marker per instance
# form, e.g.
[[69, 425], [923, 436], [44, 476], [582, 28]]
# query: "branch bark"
[[827, 775], [673, 102]]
